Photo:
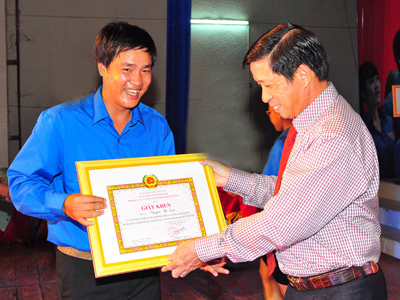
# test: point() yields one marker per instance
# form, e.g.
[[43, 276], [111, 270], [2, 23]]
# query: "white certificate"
[[156, 215], [153, 205]]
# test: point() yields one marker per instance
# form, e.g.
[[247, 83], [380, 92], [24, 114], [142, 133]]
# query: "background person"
[[109, 124], [379, 124]]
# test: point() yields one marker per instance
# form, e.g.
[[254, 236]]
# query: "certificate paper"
[[157, 215], [153, 205]]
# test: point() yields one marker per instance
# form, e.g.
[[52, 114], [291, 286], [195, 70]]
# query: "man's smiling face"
[[283, 96], [126, 79]]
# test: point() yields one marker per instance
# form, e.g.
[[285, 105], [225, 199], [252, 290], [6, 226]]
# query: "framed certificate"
[[396, 100], [153, 205]]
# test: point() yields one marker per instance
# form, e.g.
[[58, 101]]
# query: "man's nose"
[[266, 96], [136, 79]]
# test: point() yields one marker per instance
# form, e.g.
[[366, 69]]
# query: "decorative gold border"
[[394, 88], [173, 243], [83, 167]]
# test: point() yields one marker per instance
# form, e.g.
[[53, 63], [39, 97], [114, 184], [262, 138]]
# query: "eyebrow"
[[134, 65]]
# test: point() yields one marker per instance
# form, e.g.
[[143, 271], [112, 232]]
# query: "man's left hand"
[[185, 260]]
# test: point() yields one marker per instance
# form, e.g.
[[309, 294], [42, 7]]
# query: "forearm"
[[255, 189], [35, 198], [245, 240]]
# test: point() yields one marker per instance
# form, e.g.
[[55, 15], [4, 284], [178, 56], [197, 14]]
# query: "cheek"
[[146, 82]]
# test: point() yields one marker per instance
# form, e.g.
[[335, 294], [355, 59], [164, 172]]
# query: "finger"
[[221, 270], [92, 199], [184, 273], [92, 214], [164, 269], [94, 206], [203, 162], [169, 267], [85, 222], [210, 269], [209, 162], [173, 255], [176, 273], [83, 215]]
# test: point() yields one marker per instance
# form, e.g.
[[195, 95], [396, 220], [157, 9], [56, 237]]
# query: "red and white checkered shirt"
[[325, 215]]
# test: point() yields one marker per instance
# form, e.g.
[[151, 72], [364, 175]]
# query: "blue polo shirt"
[[274, 157], [43, 174]]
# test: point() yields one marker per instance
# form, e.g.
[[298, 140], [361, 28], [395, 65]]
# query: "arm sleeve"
[[315, 188], [169, 144], [33, 170]]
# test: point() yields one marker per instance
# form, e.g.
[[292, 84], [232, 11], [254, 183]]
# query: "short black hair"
[[366, 71], [288, 46], [116, 37], [396, 48]]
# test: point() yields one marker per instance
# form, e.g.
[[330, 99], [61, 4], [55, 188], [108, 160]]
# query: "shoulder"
[[151, 116], [73, 108], [341, 119], [387, 105], [341, 129]]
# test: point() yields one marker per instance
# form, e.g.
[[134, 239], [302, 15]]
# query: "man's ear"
[[305, 74], [101, 68]]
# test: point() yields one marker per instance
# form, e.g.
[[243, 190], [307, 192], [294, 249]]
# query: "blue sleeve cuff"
[[56, 204]]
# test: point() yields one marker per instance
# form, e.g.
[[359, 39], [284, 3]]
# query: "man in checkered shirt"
[[323, 222]]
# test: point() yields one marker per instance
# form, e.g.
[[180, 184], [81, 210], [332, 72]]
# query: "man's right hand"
[[220, 170], [80, 207]]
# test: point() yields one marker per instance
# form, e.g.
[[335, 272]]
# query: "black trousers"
[[371, 287], [75, 280]]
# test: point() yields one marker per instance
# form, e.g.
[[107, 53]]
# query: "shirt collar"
[[100, 110], [368, 118], [312, 112]]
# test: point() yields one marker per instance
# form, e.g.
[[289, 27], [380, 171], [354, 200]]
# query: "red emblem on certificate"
[[150, 181]]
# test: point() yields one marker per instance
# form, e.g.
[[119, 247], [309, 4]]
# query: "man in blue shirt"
[[112, 123]]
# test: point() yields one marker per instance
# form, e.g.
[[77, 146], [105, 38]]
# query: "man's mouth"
[[132, 92], [276, 107]]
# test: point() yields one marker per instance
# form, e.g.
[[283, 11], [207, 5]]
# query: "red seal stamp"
[[172, 231]]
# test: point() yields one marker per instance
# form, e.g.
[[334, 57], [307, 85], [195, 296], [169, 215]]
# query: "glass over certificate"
[[154, 204]]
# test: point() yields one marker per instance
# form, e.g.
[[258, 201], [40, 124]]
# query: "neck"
[[286, 123], [373, 111], [317, 87], [120, 117]]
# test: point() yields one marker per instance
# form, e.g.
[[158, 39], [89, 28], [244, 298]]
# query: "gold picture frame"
[[153, 205], [396, 100]]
